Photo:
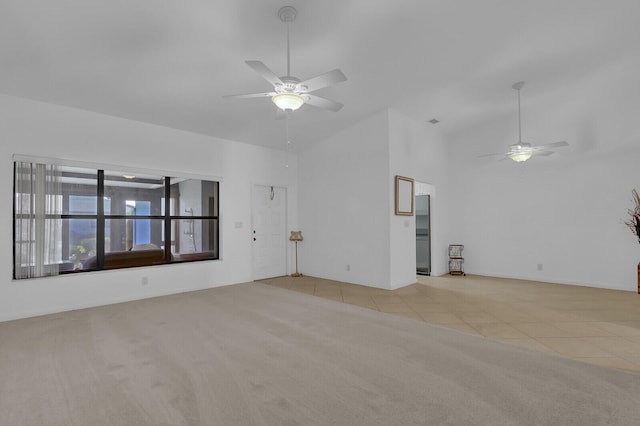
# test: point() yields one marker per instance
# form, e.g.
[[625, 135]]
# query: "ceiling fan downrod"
[[518, 86], [287, 15]]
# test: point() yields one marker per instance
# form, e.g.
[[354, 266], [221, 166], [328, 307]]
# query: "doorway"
[[423, 193], [269, 225]]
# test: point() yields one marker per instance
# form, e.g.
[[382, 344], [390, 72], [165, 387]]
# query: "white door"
[[269, 232]]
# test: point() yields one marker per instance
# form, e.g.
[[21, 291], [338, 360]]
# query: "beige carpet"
[[252, 354]]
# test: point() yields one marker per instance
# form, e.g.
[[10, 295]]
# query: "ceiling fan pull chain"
[[288, 146], [286, 127]]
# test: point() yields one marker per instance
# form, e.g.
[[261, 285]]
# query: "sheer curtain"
[[37, 220]]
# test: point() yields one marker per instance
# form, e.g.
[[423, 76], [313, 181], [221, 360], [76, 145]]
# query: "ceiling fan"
[[290, 93], [522, 151]]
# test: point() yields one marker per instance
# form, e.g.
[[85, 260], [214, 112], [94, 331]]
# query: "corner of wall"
[[339, 195]]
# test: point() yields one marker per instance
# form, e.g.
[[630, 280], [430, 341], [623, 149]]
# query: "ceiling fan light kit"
[[288, 101], [521, 156]]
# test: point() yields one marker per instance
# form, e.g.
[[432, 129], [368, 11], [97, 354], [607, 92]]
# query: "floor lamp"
[[296, 236]]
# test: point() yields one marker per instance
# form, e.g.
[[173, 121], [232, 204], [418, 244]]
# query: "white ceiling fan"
[[289, 92], [522, 151]]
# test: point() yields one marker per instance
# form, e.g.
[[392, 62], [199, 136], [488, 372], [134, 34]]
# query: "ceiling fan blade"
[[554, 144], [323, 80], [265, 72], [251, 95], [491, 155], [323, 103], [544, 153]]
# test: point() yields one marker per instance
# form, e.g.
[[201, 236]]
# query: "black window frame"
[[168, 217]]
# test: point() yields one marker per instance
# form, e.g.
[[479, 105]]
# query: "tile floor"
[[592, 325]]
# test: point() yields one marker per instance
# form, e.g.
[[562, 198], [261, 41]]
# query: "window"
[[71, 219]]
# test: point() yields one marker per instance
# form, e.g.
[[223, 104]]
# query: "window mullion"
[[100, 222], [167, 219]]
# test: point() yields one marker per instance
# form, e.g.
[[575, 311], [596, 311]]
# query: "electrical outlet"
[[348, 267], [144, 281], [539, 266]]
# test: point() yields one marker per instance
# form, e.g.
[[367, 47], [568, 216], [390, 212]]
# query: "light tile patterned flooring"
[[592, 325]]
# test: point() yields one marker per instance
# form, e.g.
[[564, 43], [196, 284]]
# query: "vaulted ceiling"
[[170, 62]]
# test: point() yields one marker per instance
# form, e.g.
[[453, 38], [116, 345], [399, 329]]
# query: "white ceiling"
[[170, 62]]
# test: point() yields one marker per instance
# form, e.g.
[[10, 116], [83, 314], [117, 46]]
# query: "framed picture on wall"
[[404, 196]]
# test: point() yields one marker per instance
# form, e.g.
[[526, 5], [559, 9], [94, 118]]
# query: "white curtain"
[[37, 221]]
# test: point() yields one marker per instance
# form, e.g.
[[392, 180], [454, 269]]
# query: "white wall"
[[564, 211], [417, 150], [347, 194], [343, 205], [39, 129]]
